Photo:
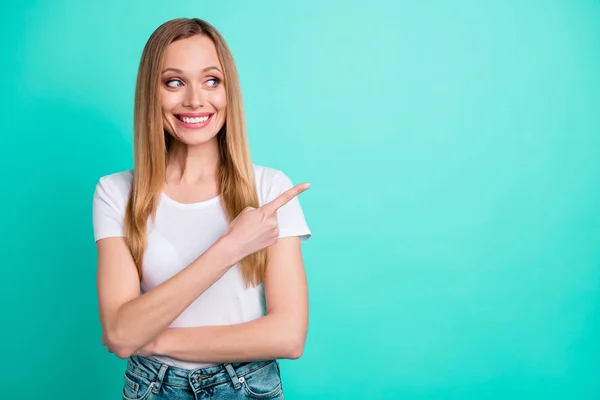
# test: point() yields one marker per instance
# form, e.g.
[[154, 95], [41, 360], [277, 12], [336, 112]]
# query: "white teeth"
[[196, 120]]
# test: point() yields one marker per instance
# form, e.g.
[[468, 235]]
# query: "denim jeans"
[[146, 379]]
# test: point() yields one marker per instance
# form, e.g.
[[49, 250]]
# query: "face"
[[193, 96]]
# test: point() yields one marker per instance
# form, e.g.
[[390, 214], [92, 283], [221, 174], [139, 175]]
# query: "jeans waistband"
[[164, 374]]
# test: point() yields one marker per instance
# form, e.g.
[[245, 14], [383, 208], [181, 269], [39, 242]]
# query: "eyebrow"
[[181, 72]]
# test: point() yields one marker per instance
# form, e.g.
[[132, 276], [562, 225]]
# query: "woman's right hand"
[[256, 228]]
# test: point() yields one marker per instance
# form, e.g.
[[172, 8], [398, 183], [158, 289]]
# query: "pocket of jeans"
[[264, 383], [136, 387]]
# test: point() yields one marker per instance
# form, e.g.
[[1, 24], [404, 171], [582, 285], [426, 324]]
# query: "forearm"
[[140, 320], [269, 337]]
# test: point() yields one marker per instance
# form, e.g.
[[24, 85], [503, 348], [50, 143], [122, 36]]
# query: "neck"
[[193, 164]]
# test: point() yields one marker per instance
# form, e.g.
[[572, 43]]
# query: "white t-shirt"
[[181, 233]]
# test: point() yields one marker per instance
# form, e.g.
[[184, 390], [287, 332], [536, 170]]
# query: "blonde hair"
[[151, 143]]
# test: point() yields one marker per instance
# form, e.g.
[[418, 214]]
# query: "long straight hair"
[[152, 144]]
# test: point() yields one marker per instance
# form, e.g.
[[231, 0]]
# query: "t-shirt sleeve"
[[290, 217], [108, 211]]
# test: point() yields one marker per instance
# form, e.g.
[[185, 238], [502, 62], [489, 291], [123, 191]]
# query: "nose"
[[194, 98]]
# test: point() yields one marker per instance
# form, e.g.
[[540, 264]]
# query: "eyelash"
[[217, 82]]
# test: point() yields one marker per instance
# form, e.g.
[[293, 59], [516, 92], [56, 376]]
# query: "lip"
[[194, 115]]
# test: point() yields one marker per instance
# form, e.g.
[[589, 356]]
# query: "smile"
[[194, 121]]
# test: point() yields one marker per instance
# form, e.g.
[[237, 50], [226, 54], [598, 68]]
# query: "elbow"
[[295, 352], [117, 345], [122, 353], [294, 347]]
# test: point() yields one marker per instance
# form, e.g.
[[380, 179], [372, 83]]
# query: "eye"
[[173, 83], [213, 82]]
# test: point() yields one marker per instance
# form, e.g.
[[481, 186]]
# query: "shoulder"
[[114, 187], [109, 204], [270, 182], [266, 176]]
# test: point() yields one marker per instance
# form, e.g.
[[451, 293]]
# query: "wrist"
[[226, 251], [159, 344]]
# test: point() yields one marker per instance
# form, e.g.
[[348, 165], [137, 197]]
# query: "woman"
[[196, 237]]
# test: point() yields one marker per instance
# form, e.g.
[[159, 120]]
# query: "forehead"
[[191, 54]]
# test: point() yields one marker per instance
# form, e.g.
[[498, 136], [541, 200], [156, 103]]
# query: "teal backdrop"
[[452, 148]]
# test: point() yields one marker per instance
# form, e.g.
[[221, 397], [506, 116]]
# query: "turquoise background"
[[453, 150]]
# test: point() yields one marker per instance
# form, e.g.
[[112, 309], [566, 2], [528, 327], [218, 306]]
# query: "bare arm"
[[131, 320], [279, 334]]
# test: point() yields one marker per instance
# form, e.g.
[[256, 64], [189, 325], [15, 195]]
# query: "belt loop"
[[160, 378], [234, 378]]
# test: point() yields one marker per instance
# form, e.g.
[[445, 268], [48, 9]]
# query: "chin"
[[195, 139]]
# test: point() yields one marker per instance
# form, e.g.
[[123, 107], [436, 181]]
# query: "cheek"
[[168, 101], [219, 99]]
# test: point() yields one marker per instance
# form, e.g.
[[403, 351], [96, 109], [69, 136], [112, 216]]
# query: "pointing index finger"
[[284, 198]]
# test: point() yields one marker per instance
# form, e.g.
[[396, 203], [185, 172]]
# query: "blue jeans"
[[146, 379]]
